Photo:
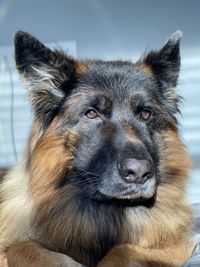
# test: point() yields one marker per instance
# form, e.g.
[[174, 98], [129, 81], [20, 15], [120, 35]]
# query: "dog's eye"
[[91, 114], [146, 114]]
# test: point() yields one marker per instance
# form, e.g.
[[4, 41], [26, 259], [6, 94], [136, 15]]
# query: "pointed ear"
[[47, 75], [165, 66], [165, 63]]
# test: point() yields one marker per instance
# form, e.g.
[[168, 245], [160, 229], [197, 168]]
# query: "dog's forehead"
[[117, 79]]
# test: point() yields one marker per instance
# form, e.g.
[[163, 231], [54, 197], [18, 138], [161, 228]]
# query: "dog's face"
[[117, 112], [117, 109]]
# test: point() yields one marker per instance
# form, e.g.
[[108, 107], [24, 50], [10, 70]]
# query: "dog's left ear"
[[165, 63], [165, 67]]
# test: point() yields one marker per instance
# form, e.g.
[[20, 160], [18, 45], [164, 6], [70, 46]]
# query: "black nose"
[[135, 170]]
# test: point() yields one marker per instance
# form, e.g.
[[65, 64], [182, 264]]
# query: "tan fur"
[[174, 159], [49, 160], [80, 67], [145, 68], [19, 254], [3, 260], [16, 208], [108, 130], [133, 136], [135, 256]]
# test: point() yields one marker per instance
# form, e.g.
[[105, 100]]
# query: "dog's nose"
[[135, 170]]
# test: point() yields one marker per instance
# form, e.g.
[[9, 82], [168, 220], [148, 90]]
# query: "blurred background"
[[106, 29]]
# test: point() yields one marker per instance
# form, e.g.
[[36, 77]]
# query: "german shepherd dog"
[[102, 181]]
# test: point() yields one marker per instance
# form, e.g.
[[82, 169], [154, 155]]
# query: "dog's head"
[[107, 129]]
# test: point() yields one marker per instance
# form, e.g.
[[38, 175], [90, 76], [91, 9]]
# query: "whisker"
[[85, 179], [87, 172]]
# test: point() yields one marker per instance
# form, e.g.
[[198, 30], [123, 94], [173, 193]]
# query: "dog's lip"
[[146, 190], [127, 194]]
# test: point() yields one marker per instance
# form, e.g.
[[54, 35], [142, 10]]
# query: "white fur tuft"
[[42, 79], [175, 37]]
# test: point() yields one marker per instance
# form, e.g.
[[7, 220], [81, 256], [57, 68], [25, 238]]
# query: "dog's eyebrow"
[[140, 100], [101, 102]]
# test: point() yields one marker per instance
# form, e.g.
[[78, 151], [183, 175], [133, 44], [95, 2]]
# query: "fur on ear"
[[165, 65], [48, 75]]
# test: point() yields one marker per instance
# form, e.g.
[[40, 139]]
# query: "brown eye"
[[91, 114], [146, 114]]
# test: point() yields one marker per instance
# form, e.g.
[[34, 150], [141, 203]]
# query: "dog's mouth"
[[121, 191]]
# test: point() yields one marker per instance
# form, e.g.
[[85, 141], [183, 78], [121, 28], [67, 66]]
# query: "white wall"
[[103, 28]]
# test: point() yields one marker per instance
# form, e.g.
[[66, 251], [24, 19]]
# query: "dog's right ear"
[[48, 75]]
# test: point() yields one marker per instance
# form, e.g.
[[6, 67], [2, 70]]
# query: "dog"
[[103, 177]]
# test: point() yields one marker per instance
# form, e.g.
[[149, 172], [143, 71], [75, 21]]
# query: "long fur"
[[46, 212]]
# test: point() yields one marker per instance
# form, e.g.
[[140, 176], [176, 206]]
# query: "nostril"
[[130, 172], [125, 172], [146, 175]]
